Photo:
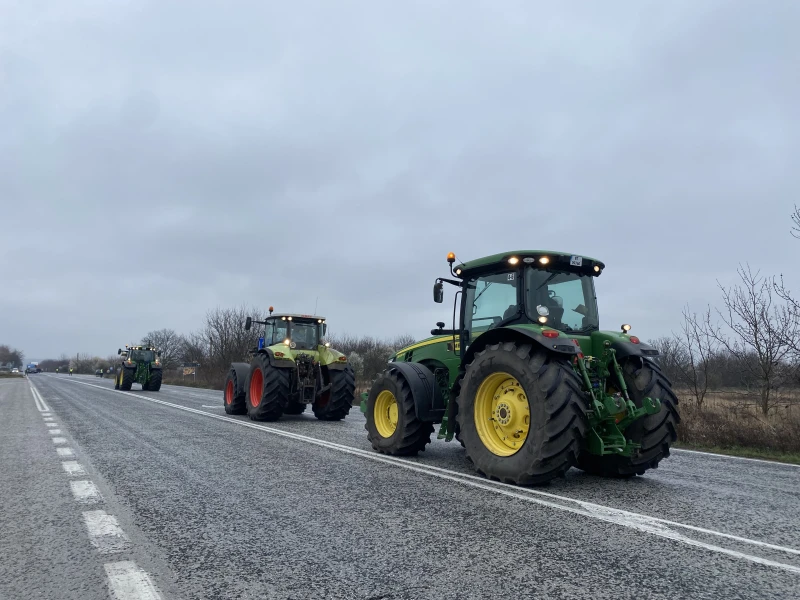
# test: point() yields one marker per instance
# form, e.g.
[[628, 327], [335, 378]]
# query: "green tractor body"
[[140, 364], [525, 379], [292, 366]]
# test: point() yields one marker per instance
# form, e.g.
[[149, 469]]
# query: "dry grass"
[[729, 423]]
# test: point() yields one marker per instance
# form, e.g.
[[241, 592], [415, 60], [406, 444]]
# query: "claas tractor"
[[525, 379], [292, 366], [140, 364]]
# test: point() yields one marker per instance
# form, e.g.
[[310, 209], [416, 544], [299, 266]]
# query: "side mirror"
[[440, 324], [248, 323], [438, 292], [119, 351]]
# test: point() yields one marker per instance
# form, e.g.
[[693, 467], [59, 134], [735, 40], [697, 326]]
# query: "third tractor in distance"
[[291, 367], [525, 379], [140, 364]]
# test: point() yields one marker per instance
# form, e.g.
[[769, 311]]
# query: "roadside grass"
[[5, 375], [730, 424]]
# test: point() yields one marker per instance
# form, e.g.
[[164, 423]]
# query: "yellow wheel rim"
[[502, 414], [385, 413]]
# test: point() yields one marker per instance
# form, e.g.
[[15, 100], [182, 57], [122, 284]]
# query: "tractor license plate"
[[576, 261]]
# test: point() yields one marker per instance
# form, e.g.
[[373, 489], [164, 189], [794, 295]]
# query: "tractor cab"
[[547, 290], [297, 331]]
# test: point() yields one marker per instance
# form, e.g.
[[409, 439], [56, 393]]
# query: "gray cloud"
[[157, 161]]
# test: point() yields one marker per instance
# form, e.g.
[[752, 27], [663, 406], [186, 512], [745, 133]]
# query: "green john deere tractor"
[[291, 367], [526, 380], [140, 364]]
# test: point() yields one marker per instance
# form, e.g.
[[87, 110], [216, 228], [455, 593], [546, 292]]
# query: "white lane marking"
[[637, 521], [105, 534], [126, 581], [72, 467], [85, 491], [207, 406], [48, 419], [52, 424], [46, 414], [37, 398], [59, 440], [54, 431], [774, 463], [65, 452]]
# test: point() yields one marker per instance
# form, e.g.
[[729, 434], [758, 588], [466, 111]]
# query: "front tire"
[[234, 394], [392, 424], [267, 390], [126, 379], [654, 432], [521, 414], [155, 380], [336, 403]]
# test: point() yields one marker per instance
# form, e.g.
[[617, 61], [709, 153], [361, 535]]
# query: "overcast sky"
[[158, 159]]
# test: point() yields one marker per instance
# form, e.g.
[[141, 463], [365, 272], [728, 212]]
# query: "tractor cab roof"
[[296, 317], [543, 259], [127, 347]]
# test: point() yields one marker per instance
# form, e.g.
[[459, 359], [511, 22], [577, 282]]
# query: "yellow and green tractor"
[[292, 366], [525, 379], [140, 364]]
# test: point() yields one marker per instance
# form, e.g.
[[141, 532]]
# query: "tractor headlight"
[[543, 320], [513, 260], [327, 344], [626, 328], [286, 341], [544, 260]]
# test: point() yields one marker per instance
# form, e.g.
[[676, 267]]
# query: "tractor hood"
[[324, 355]]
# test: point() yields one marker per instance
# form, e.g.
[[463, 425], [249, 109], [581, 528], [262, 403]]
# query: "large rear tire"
[[267, 390], [392, 424], [654, 432], [336, 403], [521, 414], [126, 379], [234, 394], [155, 380]]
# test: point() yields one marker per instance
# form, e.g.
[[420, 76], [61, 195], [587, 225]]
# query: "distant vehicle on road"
[[15, 370], [33, 368]]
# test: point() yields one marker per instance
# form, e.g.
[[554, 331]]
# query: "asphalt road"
[[161, 495]]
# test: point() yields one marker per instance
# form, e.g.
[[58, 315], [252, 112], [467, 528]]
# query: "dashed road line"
[[54, 431], [644, 523], [59, 440], [48, 419], [105, 534], [126, 581], [65, 452], [52, 424], [85, 492], [72, 467], [46, 414]]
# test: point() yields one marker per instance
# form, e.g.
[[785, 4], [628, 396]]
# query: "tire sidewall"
[[381, 384], [504, 467]]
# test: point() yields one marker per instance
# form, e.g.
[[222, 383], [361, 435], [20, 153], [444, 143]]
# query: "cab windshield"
[[142, 355], [567, 300], [304, 335]]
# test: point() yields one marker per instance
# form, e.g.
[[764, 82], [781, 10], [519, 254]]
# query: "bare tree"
[[700, 347], [11, 356], [168, 342], [796, 220], [760, 329], [83, 363]]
